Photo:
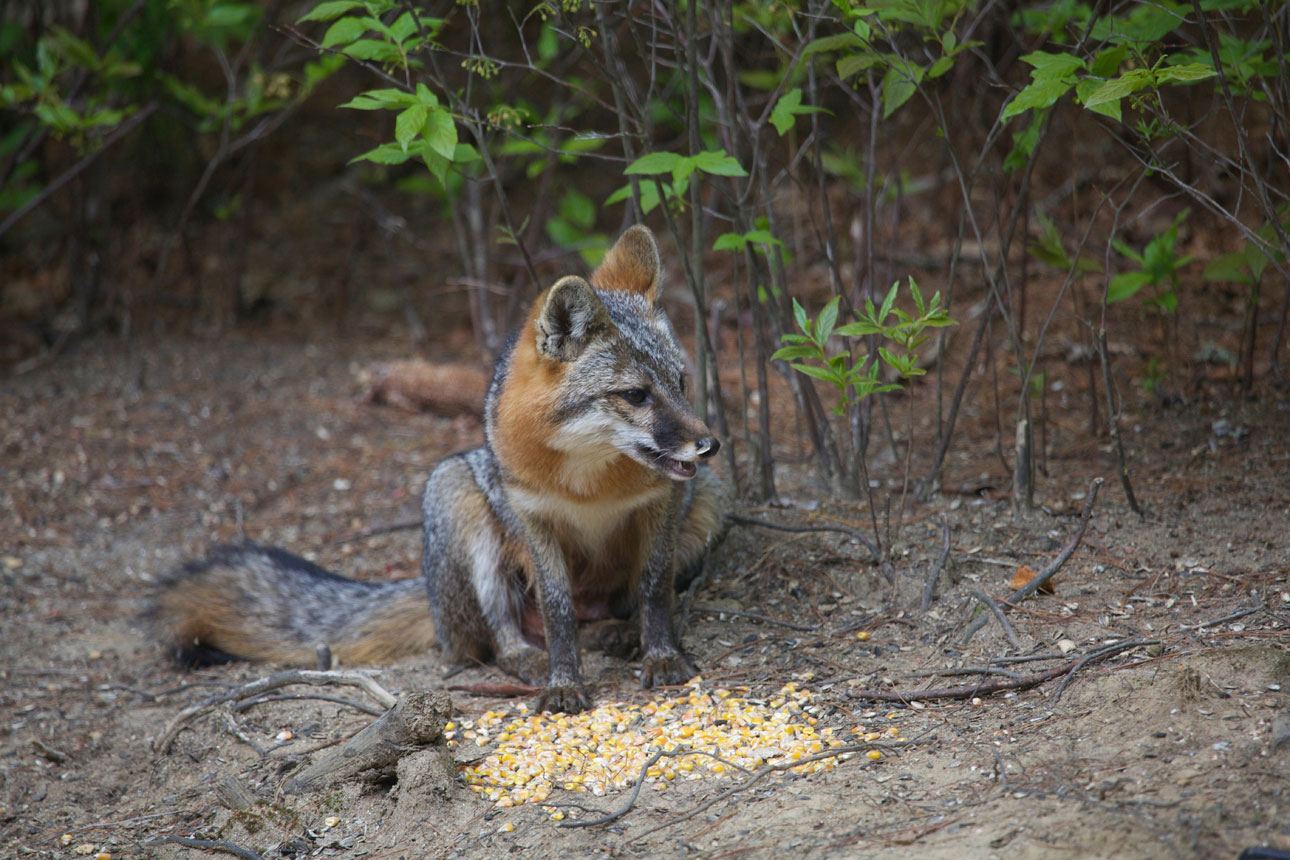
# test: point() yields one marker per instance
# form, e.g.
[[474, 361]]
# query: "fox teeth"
[[682, 468]]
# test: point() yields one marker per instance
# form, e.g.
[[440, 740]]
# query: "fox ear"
[[632, 265], [571, 317]]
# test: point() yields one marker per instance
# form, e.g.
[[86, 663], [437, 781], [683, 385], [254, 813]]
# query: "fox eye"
[[635, 396], [681, 383]]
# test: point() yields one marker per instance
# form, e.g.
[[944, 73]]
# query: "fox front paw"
[[563, 698], [666, 670], [527, 663]]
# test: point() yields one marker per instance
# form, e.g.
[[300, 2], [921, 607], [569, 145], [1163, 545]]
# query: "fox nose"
[[707, 446]]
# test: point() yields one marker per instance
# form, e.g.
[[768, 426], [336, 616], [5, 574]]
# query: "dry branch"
[[416, 721], [990, 604], [1051, 570], [929, 587], [785, 527], [985, 688], [272, 682], [206, 845]]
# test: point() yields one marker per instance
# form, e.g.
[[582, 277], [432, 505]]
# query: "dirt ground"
[[120, 460]]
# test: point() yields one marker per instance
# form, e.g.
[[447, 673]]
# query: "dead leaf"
[[1024, 575]]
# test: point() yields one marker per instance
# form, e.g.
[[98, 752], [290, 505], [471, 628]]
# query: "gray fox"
[[581, 507]]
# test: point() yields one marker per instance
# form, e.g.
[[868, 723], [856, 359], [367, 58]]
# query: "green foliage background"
[[783, 143]]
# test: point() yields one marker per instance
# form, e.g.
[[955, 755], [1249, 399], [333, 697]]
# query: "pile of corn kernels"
[[603, 750]]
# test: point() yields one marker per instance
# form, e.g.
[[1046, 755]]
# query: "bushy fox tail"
[[261, 603]]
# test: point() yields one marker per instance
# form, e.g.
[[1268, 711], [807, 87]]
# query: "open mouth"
[[680, 468]]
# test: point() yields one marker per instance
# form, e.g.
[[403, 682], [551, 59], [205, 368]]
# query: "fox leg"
[[663, 662], [564, 688], [476, 593]]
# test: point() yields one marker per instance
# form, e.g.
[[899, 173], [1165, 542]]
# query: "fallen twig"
[[288, 697], [988, 602], [47, 752], [231, 726], [1048, 572], [1114, 648], [205, 844], [1025, 658], [272, 682], [1024, 682], [1249, 610], [929, 587], [785, 527], [966, 670]]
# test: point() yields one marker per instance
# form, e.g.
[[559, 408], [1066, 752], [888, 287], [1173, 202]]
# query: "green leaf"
[[1037, 94], [898, 84], [888, 303], [858, 329], [799, 314], [441, 133], [729, 242], [435, 163], [1126, 285], [681, 172], [409, 123], [624, 193], [1126, 251], [788, 107], [827, 44], [653, 164], [856, 63], [823, 373], [827, 320], [1053, 66], [763, 237], [380, 100], [940, 67], [782, 116], [1118, 88], [787, 353], [386, 153], [371, 49], [329, 10], [1108, 61], [345, 30], [1184, 74], [1232, 267], [578, 209], [1086, 87], [718, 163]]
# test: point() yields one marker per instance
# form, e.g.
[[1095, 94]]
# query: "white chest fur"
[[592, 524]]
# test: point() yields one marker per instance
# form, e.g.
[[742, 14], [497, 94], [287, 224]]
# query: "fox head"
[[623, 376]]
